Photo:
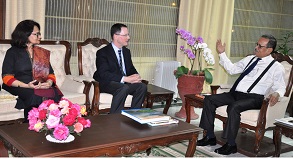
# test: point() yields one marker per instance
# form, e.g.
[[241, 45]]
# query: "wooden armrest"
[[214, 88], [263, 112], [96, 98], [86, 91], [145, 82]]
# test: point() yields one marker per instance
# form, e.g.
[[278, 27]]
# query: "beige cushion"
[[8, 112], [3, 49], [106, 100], [89, 59], [57, 57]]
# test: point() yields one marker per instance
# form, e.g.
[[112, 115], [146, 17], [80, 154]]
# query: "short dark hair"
[[21, 33], [116, 28], [272, 41]]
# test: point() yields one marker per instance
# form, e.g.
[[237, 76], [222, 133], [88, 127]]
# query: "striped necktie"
[[249, 69], [120, 63]]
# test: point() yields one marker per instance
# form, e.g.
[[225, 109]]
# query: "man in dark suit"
[[246, 93], [116, 72]]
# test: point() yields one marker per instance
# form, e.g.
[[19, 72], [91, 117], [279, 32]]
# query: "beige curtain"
[[212, 20], [18, 10]]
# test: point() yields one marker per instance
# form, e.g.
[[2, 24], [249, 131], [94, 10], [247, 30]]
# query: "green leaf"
[[181, 71], [208, 76], [195, 72]]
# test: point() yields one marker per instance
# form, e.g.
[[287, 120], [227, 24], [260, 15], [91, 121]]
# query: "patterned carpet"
[[179, 150]]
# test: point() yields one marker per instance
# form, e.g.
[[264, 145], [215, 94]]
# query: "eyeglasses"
[[123, 35], [37, 34], [259, 46]]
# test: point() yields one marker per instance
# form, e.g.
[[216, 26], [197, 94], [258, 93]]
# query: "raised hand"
[[220, 46]]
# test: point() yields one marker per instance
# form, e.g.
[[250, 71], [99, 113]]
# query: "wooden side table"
[[158, 94], [281, 129], [194, 100]]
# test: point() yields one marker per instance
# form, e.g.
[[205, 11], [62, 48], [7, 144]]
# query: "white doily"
[[70, 138]]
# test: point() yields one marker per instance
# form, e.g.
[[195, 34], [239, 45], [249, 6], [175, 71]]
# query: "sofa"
[[60, 53]]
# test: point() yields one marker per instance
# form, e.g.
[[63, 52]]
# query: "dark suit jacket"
[[108, 66]]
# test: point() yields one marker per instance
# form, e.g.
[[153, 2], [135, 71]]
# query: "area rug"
[[179, 149]]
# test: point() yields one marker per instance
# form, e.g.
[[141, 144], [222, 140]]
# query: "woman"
[[17, 70]]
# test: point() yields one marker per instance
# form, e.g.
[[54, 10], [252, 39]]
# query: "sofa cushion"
[[74, 97], [106, 99], [10, 112]]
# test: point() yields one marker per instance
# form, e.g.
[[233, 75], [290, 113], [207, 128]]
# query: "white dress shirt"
[[272, 81]]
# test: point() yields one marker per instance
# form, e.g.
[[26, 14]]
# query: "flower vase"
[[51, 138], [189, 84]]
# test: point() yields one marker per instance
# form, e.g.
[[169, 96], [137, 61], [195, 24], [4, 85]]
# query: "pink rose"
[[56, 113], [33, 114], [77, 107], [52, 121], [46, 104], [42, 114], [78, 127], [73, 112], [88, 123], [68, 120], [82, 121], [85, 123], [61, 132]]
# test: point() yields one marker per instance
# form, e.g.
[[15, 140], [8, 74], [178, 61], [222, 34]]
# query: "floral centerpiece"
[[197, 49], [58, 119]]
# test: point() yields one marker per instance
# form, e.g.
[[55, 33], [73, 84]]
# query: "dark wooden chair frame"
[[261, 122], [97, 42]]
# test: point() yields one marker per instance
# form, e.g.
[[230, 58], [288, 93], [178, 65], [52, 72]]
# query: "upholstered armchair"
[[263, 119], [101, 102], [60, 52]]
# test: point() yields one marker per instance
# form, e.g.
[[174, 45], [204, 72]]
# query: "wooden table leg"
[[277, 140], [168, 104], [150, 102], [187, 108], [191, 146], [148, 151], [3, 150]]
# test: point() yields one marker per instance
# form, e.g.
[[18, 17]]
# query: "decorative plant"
[[286, 39], [197, 49], [59, 120]]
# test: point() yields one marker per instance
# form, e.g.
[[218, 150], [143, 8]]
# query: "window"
[[151, 24], [253, 18]]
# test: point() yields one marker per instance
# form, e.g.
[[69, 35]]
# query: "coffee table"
[[281, 129], [109, 135], [158, 94]]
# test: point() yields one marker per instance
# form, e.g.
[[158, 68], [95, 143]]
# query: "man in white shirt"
[[245, 94]]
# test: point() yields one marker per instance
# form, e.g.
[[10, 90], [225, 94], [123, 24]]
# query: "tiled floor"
[[218, 125]]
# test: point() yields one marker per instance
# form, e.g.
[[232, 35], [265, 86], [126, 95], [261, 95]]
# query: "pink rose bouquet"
[[60, 119]]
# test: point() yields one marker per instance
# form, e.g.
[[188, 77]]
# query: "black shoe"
[[226, 149], [207, 141]]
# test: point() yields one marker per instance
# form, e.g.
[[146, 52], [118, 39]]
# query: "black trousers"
[[120, 91], [237, 102]]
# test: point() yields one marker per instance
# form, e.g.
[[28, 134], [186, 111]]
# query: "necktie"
[[249, 69], [120, 63]]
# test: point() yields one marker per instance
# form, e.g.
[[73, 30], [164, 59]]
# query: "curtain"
[[212, 20], [18, 10]]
